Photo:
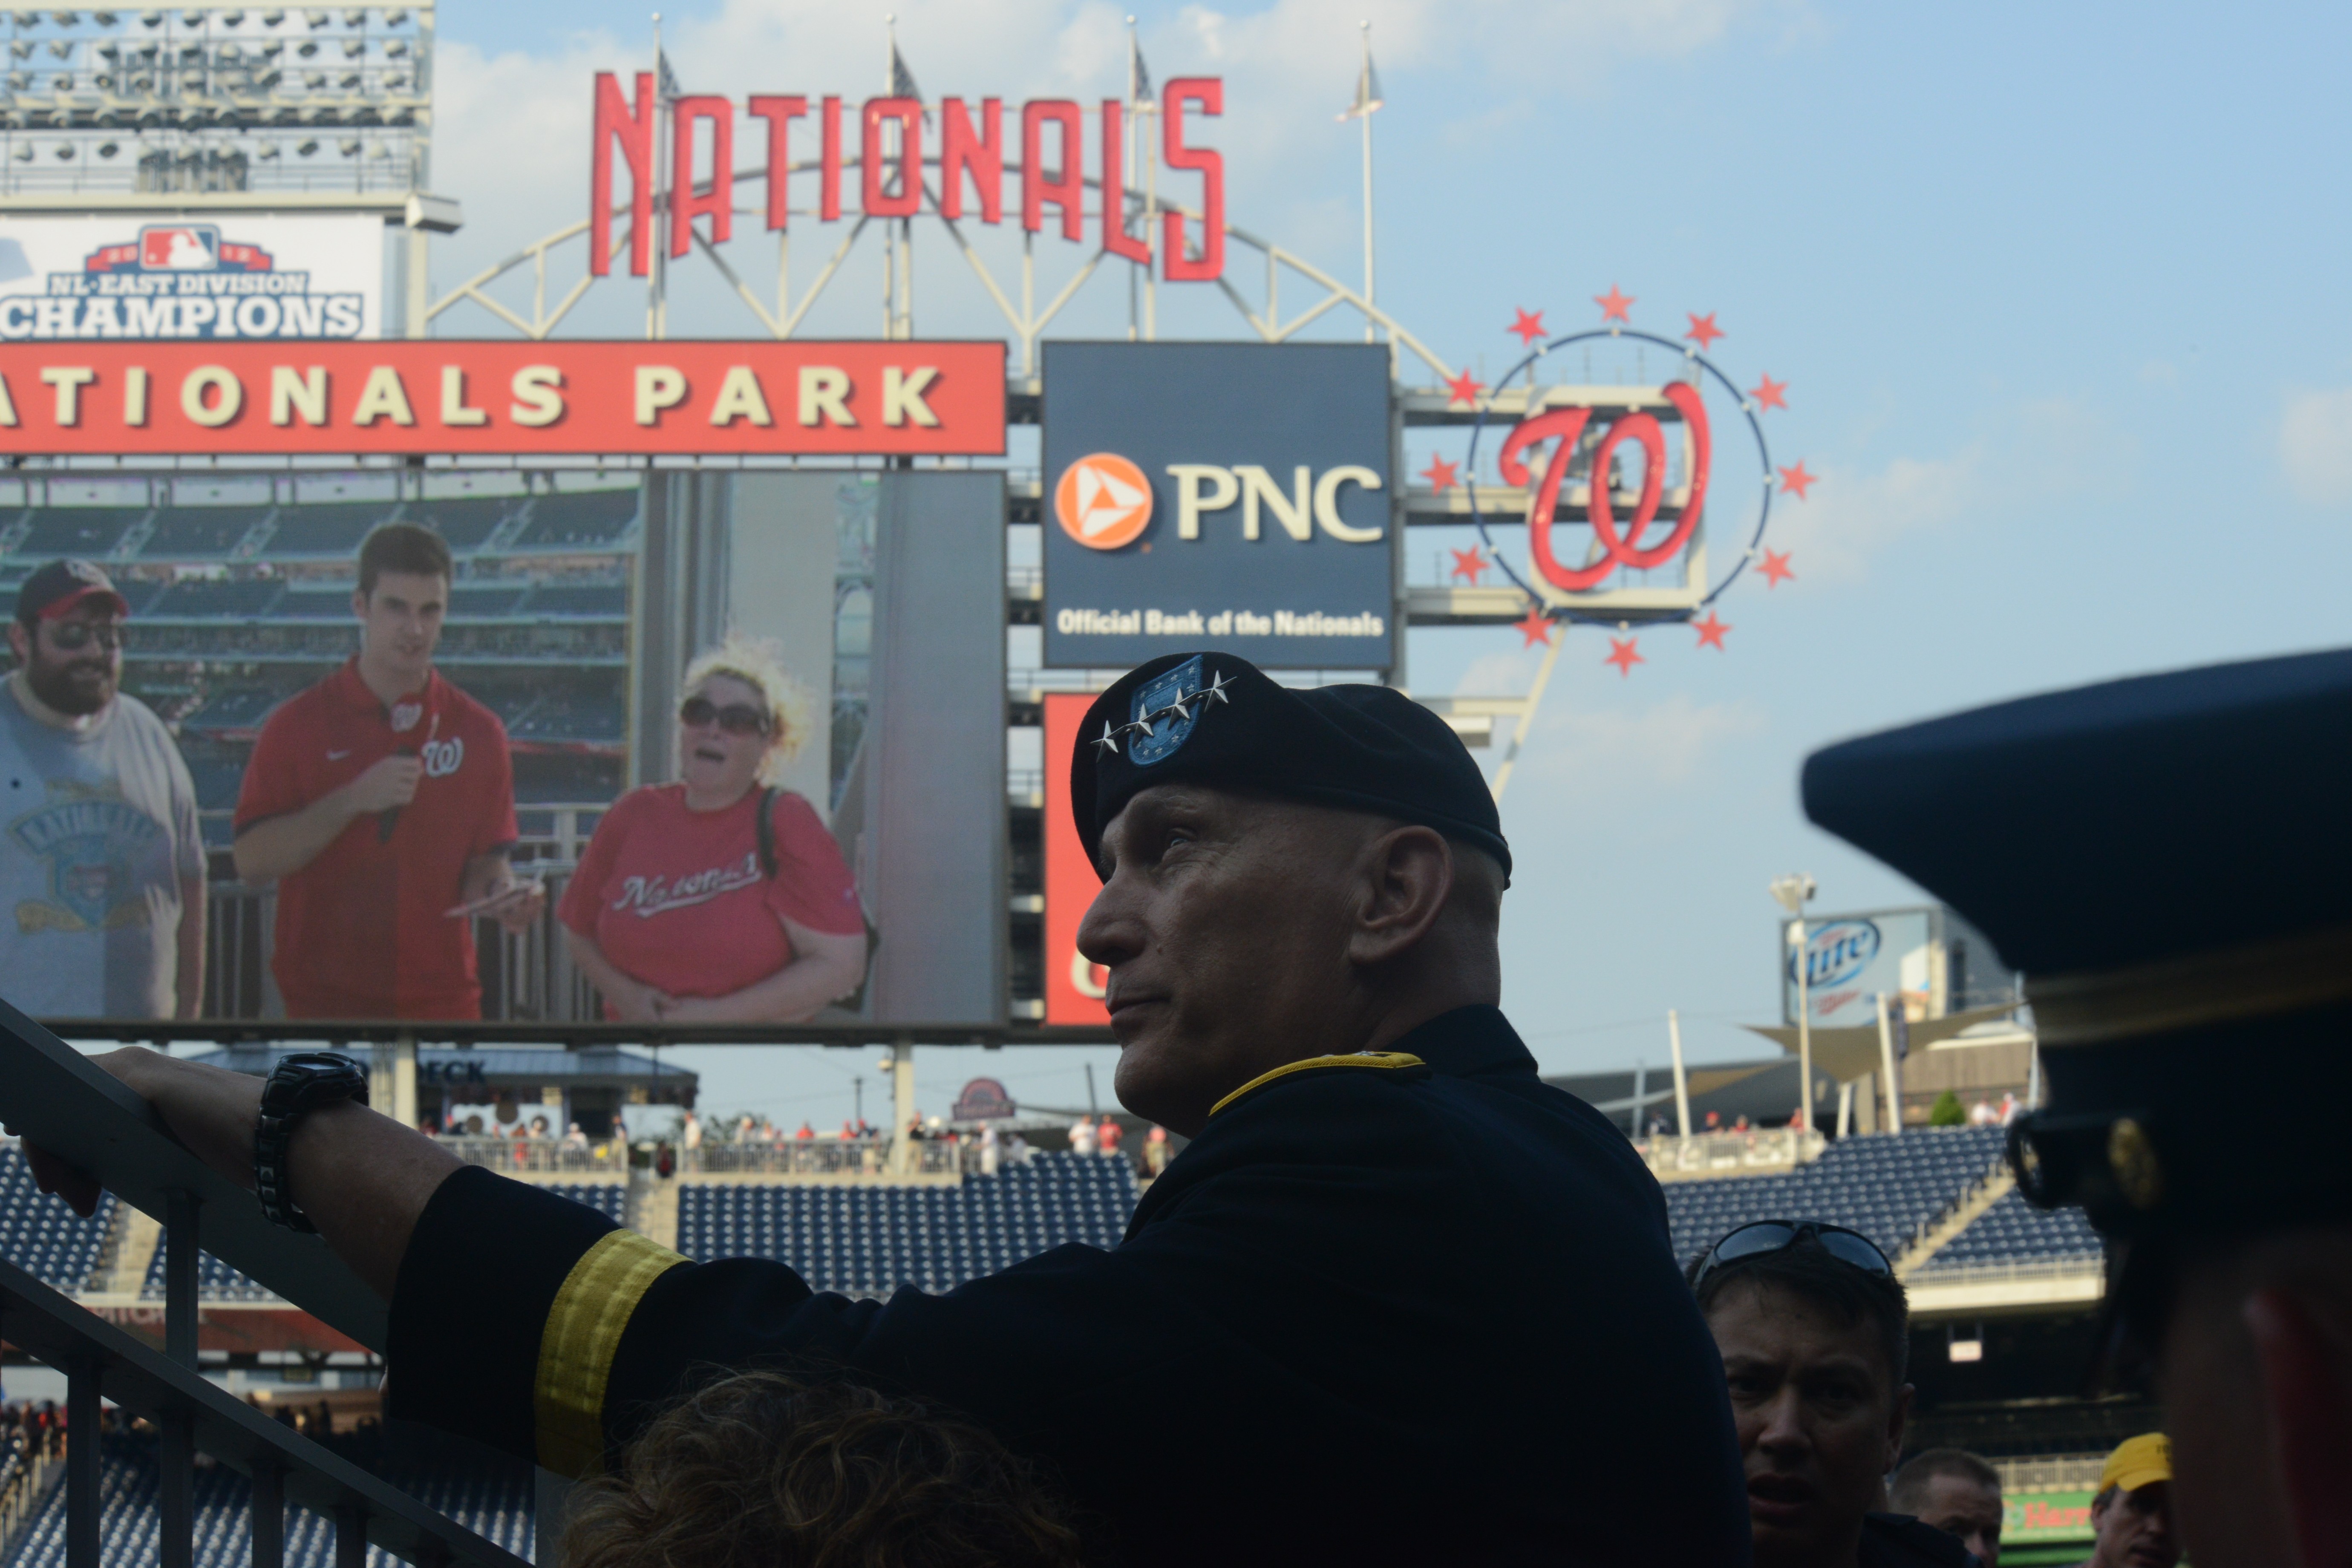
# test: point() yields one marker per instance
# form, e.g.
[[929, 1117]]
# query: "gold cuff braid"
[[2258, 981], [583, 1327]]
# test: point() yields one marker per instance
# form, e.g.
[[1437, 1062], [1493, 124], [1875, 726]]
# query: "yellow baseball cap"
[[2139, 1462]]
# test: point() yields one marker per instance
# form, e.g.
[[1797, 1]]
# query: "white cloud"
[[2315, 446], [1584, 754], [1852, 515]]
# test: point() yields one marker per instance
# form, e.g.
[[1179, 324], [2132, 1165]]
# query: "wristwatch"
[[299, 1085]]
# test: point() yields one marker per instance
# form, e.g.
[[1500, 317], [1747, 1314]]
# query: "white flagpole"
[[1364, 114], [655, 325]]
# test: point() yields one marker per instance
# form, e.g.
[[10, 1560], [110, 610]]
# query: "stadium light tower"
[[1794, 892], [223, 104]]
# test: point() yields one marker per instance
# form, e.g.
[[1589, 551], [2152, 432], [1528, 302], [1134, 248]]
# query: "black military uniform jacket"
[[1416, 1307]]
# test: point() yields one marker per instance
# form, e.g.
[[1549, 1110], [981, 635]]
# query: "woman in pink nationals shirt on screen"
[[673, 916]]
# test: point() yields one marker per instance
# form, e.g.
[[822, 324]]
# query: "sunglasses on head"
[[75, 635], [1764, 1236], [735, 718]]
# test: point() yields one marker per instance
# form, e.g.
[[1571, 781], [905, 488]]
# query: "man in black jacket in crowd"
[[1397, 1301]]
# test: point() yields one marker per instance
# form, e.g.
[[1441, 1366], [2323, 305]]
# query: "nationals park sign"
[[499, 398]]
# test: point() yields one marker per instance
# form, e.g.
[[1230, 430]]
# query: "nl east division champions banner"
[[216, 278], [1223, 495]]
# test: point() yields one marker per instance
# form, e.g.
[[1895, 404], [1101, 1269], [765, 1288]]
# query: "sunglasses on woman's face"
[[1848, 1247], [735, 718]]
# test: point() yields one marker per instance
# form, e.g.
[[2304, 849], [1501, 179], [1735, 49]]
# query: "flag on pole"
[[665, 79], [1138, 75], [1368, 87], [902, 81]]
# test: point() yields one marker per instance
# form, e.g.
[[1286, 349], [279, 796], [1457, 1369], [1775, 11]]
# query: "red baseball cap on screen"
[[63, 585]]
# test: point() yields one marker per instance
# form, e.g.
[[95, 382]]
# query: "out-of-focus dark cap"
[[2165, 857], [1216, 719], [63, 585]]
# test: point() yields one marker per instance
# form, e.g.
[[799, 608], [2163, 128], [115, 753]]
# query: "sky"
[[2003, 255]]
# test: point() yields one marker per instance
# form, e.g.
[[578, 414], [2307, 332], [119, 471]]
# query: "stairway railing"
[[57, 1098]]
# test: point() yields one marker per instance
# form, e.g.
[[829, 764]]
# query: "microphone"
[[389, 818]]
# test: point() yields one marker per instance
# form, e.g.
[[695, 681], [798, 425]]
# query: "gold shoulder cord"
[[1376, 1059], [584, 1329]]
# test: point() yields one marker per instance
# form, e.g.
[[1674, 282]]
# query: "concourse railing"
[[54, 1097]]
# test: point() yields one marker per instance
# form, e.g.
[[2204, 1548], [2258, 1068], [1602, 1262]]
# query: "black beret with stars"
[[1216, 719]]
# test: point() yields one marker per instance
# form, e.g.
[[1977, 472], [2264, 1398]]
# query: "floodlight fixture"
[[1794, 892]]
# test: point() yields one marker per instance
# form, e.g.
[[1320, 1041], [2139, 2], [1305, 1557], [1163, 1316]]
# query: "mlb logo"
[[179, 247]]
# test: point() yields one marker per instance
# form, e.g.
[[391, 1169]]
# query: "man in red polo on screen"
[[381, 803]]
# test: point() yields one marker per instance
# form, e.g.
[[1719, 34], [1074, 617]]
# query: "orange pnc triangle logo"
[[1103, 502]]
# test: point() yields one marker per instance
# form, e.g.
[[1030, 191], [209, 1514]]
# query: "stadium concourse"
[[2002, 1294]]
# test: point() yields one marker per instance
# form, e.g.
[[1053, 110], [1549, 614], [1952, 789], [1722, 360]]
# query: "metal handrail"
[[55, 1098], [99, 1359]]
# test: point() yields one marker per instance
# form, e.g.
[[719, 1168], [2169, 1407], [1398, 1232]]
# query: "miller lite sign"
[[67, 280]]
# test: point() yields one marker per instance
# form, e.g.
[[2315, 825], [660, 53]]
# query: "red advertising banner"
[[1074, 988], [503, 397]]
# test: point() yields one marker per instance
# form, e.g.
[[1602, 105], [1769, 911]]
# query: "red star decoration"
[[1470, 564], [1794, 481], [1704, 331], [1776, 569], [1621, 655], [1710, 631], [1767, 394], [1529, 325], [1536, 629], [1614, 305], [1464, 388], [1441, 474]]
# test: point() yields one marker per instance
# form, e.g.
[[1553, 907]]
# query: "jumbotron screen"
[[375, 745]]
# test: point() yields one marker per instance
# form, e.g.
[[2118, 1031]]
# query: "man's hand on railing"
[[361, 1178]]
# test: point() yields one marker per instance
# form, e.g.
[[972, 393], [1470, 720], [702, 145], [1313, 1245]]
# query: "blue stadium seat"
[[605, 600], [464, 522], [218, 1281], [200, 533], [41, 1235], [1888, 1187], [130, 1515], [225, 599], [869, 1240], [84, 531], [2014, 1232], [580, 520], [327, 528]]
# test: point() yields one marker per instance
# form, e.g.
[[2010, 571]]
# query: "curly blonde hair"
[[767, 1469], [757, 663]]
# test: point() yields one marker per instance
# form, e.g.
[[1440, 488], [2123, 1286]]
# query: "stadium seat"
[[218, 1281], [585, 520], [464, 523], [869, 1240], [84, 531], [41, 1235], [2013, 1232], [216, 598], [331, 528], [1889, 1187], [200, 533], [130, 1520]]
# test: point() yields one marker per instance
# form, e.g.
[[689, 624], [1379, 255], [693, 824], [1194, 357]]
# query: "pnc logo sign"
[[1103, 502]]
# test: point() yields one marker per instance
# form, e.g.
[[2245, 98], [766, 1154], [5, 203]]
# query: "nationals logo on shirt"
[[650, 896]]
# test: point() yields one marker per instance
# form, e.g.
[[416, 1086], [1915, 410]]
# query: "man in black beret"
[[1397, 1301], [2167, 859]]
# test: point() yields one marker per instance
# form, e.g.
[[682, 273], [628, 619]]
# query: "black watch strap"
[[299, 1085]]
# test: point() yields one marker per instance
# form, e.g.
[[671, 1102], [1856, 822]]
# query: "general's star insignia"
[[1215, 689], [1107, 740]]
